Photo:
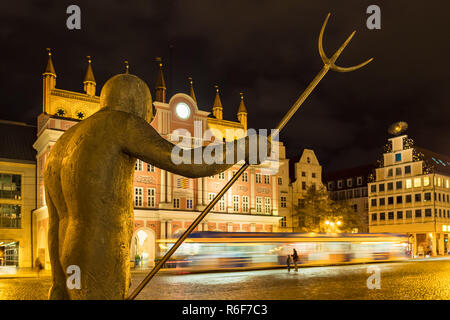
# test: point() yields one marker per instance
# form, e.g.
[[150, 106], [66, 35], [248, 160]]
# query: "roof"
[[360, 171], [16, 141], [439, 162]]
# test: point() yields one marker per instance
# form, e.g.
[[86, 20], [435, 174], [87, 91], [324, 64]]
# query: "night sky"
[[267, 49]]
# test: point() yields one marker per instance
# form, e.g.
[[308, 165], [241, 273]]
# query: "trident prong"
[[330, 62]]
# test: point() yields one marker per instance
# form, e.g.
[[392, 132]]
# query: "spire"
[[242, 108], [50, 69], [242, 113], [192, 93], [217, 105], [160, 83], [127, 67], [89, 79]]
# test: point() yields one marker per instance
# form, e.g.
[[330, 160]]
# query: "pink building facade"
[[166, 203]]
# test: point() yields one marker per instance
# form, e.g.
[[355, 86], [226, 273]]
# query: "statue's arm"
[[143, 142]]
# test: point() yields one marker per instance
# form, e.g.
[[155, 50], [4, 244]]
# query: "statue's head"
[[126, 92]]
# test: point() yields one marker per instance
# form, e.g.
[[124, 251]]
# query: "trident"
[[328, 63]]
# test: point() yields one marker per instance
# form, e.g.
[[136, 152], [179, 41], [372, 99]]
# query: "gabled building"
[[410, 194]]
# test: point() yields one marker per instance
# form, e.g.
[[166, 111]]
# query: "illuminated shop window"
[[426, 181]]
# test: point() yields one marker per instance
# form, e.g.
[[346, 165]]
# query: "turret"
[[160, 87], [48, 82], [89, 80], [217, 105], [191, 89], [242, 112]]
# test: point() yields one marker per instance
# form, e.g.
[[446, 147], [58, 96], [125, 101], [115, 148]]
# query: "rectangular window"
[[10, 216], [390, 186], [407, 169], [138, 166], [408, 198], [245, 177], [399, 215], [280, 181], [418, 197], [267, 205], [313, 174], [426, 181], [359, 181], [10, 186], [283, 202], [258, 178], [398, 171], [211, 197], [381, 187], [398, 185], [389, 173], [382, 216], [283, 222], [373, 203], [427, 196], [408, 183], [235, 203], [390, 200], [138, 196], [150, 168], [391, 215], [373, 188], [244, 203], [349, 182], [222, 176], [399, 199], [340, 184], [266, 179], [303, 174], [151, 197], [398, 157], [428, 212], [222, 204], [374, 217], [408, 214], [418, 213], [189, 204], [259, 204], [382, 201], [417, 182], [303, 185], [176, 203]]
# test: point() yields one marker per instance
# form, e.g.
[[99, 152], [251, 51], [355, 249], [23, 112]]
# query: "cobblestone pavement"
[[405, 280]]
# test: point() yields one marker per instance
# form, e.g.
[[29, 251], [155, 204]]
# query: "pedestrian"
[[38, 265], [288, 262], [295, 259]]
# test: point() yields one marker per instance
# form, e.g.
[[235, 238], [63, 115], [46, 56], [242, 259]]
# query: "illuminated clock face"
[[182, 110]]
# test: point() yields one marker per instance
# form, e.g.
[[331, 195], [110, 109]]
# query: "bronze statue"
[[89, 188]]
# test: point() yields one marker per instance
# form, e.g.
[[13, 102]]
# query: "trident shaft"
[[329, 63]]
